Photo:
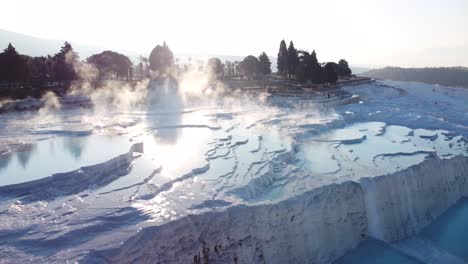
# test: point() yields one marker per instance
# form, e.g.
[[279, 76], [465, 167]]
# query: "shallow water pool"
[[375, 252], [59, 154], [450, 230]]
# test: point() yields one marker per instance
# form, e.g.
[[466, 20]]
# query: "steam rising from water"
[[118, 103], [108, 94], [47, 113], [192, 88]]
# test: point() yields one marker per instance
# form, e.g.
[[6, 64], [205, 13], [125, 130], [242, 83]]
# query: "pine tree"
[[293, 59], [111, 64], [12, 65], [265, 64], [282, 62], [64, 61], [316, 69]]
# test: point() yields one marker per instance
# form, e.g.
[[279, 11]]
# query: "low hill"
[[447, 76], [33, 46]]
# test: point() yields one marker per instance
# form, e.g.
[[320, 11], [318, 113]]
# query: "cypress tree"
[[315, 69], [12, 65], [293, 59], [282, 62], [64, 59]]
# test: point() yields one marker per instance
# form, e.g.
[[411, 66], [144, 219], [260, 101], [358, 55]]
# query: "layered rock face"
[[399, 205], [256, 183], [317, 226]]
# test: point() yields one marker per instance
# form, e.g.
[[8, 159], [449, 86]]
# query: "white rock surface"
[[243, 181], [399, 205]]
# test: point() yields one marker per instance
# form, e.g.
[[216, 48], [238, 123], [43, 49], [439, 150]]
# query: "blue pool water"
[[59, 154], [373, 251], [450, 230], [448, 233]]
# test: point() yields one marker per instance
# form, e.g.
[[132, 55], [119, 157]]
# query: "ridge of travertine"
[[317, 226]]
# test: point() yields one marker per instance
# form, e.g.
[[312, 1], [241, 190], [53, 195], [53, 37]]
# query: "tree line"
[[161, 61], [292, 64], [60, 69], [304, 66], [21, 68], [250, 67]]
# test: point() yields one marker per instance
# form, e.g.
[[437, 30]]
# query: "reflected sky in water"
[[59, 154], [373, 148]]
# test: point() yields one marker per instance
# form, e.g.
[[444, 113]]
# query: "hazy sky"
[[385, 32]]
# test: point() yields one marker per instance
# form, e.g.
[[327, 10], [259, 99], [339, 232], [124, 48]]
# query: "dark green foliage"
[[34, 75], [13, 66], [63, 63], [302, 73], [161, 59], [40, 69], [293, 59], [110, 64], [307, 60], [343, 68], [250, 66], [304, 66], [308, 68], [316, 69], [330, 75], [230, 69], [282, 62], [216, 66], [265, 64]]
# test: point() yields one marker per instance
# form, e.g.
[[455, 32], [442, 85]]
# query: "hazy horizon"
[[398, 33]]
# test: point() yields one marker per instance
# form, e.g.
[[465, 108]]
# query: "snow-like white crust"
[[299, 179]]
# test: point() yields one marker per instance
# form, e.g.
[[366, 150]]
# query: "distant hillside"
[[359, 69], [33, 46], [448, 76]]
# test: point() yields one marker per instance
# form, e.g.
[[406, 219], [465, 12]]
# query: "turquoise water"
[[450, 230], [375, 252], [59, 154]]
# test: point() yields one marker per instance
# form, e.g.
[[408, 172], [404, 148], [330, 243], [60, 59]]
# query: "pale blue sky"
[[374, 32]]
